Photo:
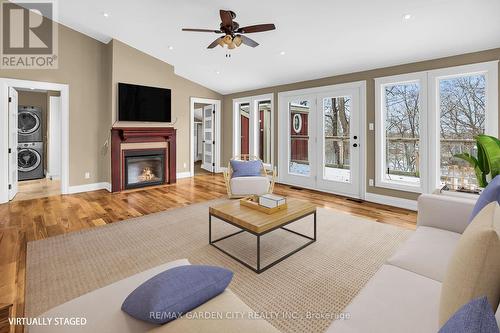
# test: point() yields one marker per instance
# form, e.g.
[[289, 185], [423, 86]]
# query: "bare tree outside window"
[[463, 111], [402, 131]]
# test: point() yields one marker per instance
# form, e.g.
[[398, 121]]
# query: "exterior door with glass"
[[320, 139], [208, 158], [338, 149]]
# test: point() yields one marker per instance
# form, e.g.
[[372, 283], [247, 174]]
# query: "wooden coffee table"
[[258, 223]]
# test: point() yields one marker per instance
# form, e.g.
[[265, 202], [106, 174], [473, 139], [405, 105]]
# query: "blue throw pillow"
[[170, 294], [246, 168], [474, 317], [490, 193]]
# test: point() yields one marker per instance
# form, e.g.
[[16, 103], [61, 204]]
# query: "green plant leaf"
[[491, 149], [478, 168]]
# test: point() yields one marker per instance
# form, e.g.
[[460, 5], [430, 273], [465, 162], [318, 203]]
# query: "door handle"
[[355, 145]]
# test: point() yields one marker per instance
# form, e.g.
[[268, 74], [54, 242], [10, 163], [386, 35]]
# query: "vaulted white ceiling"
[[319, 37]]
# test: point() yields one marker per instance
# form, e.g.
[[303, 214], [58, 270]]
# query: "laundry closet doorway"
[[35, 139]]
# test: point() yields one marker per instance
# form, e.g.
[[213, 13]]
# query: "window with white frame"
[[401, 147], [462, 103], [253, 132]]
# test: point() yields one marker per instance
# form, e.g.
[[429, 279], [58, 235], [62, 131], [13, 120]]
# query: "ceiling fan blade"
[[214, 43], [202, 30], [248, 41], [256, 28], [226, 18]]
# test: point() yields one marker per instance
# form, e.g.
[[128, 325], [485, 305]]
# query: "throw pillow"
[[474, 268], [474, 317], [246, 168], [168, 295], [490, 193]]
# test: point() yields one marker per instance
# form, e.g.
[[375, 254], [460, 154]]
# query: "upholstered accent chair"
[[241, 186]]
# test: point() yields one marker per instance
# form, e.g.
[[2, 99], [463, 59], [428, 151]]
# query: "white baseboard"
[[391, 201], [181, 175], [89, 187]]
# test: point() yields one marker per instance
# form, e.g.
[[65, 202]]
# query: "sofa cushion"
[[166, 296], [246, 168], [474, 268], [475, 316], [498, 316], [249, 185], [393, 301], [490, 193], [236, 316], [101, 307], [427, 252]]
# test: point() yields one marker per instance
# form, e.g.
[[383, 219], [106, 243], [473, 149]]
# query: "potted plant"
[[487, 164]]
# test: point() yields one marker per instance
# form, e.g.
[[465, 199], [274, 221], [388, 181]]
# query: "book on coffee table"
[[271, 200]]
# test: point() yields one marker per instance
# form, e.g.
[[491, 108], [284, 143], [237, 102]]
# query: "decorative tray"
[[253, 202]]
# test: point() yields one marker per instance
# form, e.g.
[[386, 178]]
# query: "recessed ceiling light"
[[170, 47], [282, 53], [217, 72], [407, 16], [105, 15], [32, 88]]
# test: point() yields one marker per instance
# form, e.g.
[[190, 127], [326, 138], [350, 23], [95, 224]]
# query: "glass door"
[[299, 138], [338, 142], [319, 139], [208, 138]]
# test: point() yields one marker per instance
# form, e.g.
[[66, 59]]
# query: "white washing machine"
[[30, 160]]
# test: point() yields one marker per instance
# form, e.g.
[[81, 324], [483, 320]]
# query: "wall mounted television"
[[142, 103]]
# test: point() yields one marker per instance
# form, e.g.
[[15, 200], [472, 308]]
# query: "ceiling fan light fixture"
[[237, 40], [228, 39], [231, 46], [221, 42]]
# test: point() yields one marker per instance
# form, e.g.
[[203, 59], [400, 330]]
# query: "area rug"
[[303, 293]]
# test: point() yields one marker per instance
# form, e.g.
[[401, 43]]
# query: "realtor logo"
[[29, 35]]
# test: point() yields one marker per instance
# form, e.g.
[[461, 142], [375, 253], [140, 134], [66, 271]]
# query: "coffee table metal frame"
[[259, 269]]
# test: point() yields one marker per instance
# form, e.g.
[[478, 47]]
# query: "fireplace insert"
[[144, 168]]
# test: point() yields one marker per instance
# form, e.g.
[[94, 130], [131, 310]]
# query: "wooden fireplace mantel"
[[121, 135]]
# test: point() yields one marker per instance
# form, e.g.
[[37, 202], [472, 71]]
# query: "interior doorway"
[[205, 136], [35, 140]]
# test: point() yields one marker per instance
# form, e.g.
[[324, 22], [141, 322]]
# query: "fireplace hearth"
[[144, 168]]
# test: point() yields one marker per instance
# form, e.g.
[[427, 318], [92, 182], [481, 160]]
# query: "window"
[[401, 153], [253, 127], [265, 131], [462, 106], [462, 103], [244, 118], [337, 140]]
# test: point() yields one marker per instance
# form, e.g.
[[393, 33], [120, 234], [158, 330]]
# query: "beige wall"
[[369, 76], [92, 70], [81, 67], [133, 66]]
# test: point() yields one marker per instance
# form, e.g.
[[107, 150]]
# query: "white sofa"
[[102, 310], [404, 294]]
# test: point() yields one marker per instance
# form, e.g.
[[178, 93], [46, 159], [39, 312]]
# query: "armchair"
[[238, 187]]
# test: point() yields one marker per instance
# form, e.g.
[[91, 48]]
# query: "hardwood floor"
[[28, 220], [38, 188]]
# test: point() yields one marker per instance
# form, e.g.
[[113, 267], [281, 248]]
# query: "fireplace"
[[142, 156], [144, 168]]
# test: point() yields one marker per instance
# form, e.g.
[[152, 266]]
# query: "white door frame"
[[217, 125], [253, 139], [283, 127], [5, 83]]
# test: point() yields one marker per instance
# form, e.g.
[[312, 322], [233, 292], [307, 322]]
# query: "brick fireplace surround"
[[143, 138]]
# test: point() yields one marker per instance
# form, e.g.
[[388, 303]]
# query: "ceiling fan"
[[233, 34]]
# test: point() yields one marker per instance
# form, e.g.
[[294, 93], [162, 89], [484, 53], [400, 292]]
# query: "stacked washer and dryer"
[[30, 143]]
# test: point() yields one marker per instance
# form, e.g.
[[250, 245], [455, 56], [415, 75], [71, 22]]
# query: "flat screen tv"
[[141, 103]]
